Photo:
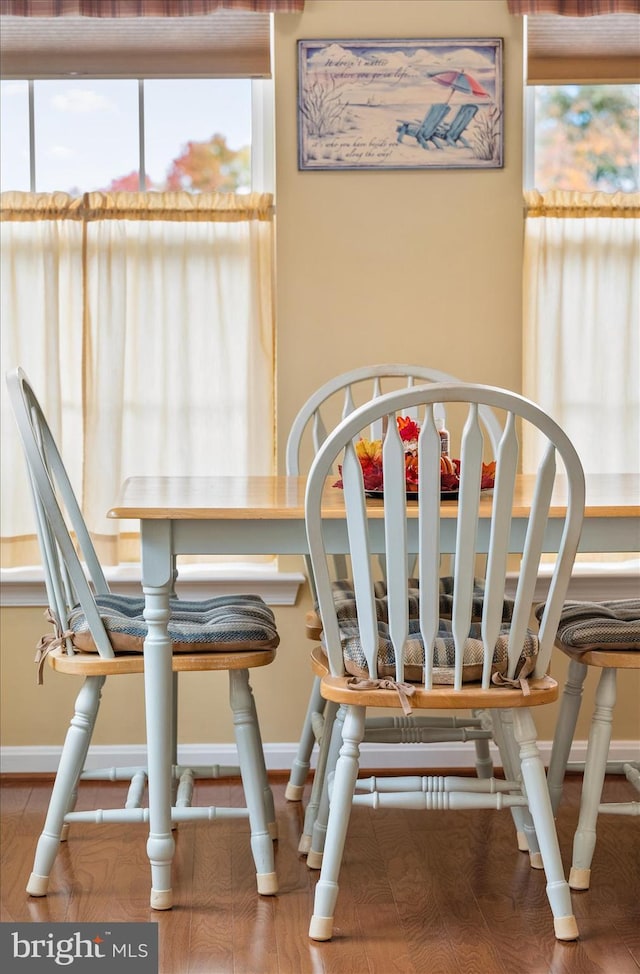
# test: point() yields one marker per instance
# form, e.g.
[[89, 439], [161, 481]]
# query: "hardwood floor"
[[436, 892]]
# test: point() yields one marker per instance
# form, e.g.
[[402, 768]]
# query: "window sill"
[[592, 581], [25, 586]]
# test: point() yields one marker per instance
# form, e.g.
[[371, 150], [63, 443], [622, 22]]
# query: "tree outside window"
[[587, 138]]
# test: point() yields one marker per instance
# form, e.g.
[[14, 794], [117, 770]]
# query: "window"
[[190, 134], [581, 343], [144, 319], [585, 138], [581, 286], [139, 292], [582, 253]]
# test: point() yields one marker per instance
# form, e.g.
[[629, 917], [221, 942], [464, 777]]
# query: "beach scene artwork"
[[400, 104]]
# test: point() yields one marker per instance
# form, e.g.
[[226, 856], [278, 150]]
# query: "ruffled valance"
[[569, 203], [141, 8], [179, 206], [574, 8]]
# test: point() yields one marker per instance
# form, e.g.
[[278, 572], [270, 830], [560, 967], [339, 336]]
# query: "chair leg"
[[174, 741], [72, 761], [510, 757], [565, 730], [344, 782], [302, 760], [254, 776], [535, 786], [268, 800], [313, 805], [595, 768], [484, 764], [314, 856]]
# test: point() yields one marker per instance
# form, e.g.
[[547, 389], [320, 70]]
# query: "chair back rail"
[[368, 381], [339, 397], [339, 445], [64, 540]]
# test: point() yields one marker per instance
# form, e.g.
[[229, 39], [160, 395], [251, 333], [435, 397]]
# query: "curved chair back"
[[338, 397], [393, 533], [64, 540]]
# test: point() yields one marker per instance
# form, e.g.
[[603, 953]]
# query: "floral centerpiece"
[[369, 453]]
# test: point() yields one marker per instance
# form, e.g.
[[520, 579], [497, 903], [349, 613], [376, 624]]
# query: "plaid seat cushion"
[[229, 623], [600, 625], [444, 648], [344, 597]]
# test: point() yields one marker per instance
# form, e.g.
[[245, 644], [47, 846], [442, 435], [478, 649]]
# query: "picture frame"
[[400, 104]]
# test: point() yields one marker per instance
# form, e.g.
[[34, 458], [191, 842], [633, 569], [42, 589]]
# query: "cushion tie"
[[404, 690], [49, 642], [519, 683]]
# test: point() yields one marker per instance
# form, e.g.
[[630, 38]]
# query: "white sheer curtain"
[[145, 322], [582, 322]]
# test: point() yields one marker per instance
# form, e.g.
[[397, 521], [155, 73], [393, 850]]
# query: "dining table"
[[264, 515]]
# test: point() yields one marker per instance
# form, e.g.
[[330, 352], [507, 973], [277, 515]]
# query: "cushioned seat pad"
[[444, 647], [344, 597], [444, 653], [608, 625], [227, 623]]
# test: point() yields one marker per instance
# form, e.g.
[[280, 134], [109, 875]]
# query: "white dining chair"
[[327, 406], [97, 635], [381, 656], [604, 636]]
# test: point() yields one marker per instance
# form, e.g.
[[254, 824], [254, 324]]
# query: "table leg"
[[157, 584]]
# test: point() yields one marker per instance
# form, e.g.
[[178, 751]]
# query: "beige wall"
[[371, 266]]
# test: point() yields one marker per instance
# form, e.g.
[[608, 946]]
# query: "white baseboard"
[[279, 757]]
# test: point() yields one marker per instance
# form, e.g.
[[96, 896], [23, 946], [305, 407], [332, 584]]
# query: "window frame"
[[25, 586], [262, 135], [529, 137], [594, 578]]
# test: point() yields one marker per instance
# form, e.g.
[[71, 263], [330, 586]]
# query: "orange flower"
[[408, 429], [488, 475], [369, 451], [411, 469]]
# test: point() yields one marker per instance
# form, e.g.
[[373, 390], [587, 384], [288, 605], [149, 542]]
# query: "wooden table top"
[[282, 498]]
